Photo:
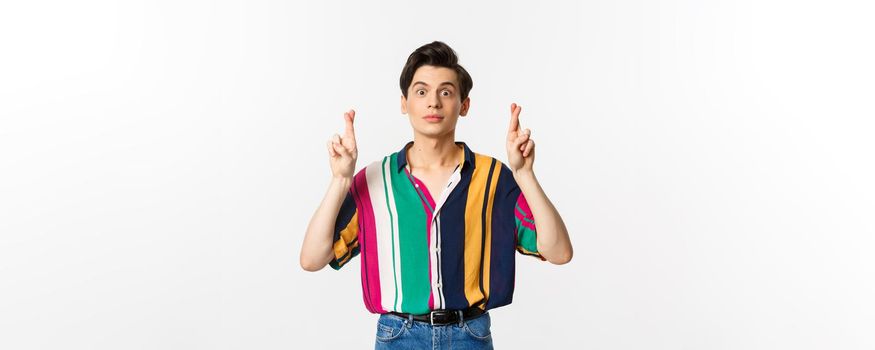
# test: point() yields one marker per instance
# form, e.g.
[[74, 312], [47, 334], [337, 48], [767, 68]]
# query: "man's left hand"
[[520, 146]]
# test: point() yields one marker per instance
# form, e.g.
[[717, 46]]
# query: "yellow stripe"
[[341, 246], [348, 256], [474, 228], [488, 246], [535, 254]]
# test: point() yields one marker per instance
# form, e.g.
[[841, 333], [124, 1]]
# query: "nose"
[[435, 101]]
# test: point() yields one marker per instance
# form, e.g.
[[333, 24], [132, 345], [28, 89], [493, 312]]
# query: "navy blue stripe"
[[503, 258], [452, 233]]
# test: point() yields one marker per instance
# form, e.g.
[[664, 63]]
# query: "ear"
[[465, 104], [403, 105]]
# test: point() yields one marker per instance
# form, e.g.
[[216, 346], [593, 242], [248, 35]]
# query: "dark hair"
[[440, 55]]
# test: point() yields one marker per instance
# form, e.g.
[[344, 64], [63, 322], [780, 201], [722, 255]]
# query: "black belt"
[[443, 317]]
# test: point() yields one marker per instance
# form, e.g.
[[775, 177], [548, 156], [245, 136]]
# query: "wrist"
[[341, 179], [523, 172]]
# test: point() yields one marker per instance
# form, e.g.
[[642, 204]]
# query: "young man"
[[436, 224]]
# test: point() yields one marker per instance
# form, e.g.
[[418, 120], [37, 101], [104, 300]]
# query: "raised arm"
[[317, 250], [553, 241]]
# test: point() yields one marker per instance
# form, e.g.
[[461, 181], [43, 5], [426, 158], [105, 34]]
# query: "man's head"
[[433, 83]]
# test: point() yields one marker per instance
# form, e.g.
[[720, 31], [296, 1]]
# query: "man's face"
[[434, 92]]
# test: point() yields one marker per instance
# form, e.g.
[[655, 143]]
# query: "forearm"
[[553, 241], [317, 249]]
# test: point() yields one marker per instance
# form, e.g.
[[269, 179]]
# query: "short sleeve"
[[526, 232], [346, 229], [515, 214]]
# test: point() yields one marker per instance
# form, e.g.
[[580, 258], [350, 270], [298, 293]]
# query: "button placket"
[[446, 193], [435, 249]]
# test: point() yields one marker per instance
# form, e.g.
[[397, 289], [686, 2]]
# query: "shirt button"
[[437, 284], [416, 185]]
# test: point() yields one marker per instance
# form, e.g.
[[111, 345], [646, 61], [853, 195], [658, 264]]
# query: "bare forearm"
[[553, 241], [317, 249]]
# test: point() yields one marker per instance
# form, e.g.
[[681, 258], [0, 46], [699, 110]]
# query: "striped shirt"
[[420, 252]]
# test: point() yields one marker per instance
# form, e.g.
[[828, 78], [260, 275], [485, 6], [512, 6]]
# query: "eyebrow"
[[444, 83]]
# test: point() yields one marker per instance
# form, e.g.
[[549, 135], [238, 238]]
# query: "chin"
[[441, 132]]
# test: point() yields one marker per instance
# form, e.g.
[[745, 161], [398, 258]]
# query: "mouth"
[[433, 118]]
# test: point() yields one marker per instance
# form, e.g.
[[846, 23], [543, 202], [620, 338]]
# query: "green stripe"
[[527, 238], [520, 210], [523, 214], [421, 194], [412, 242], [392, 225]]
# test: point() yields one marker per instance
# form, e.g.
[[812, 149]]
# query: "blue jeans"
[[396, 332]]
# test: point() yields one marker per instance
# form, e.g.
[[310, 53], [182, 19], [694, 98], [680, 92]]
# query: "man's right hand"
[[342, 151]]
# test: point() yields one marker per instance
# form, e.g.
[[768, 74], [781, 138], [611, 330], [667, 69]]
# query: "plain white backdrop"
[[713, 161]]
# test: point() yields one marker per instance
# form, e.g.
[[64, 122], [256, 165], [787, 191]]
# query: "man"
[[436, 224]]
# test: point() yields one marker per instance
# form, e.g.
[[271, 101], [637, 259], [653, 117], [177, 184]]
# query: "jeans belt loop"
[[461, 318]]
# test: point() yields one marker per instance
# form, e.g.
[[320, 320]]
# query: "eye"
[[446, 93], [420, 92]]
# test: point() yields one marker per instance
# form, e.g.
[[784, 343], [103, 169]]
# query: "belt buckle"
[[431, 315], [443, 313]]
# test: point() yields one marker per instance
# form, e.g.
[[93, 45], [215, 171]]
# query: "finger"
[[349, 117], [331, 152], [525, 136], [520, 141], [514, 118], [336, 141], [340, 149], [331, 141], [530, 145], [517, 117]]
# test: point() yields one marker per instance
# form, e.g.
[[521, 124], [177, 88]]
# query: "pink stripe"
[[524, 205], [368, 244]]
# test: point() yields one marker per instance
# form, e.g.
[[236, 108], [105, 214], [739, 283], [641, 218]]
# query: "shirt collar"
[[469, 156]]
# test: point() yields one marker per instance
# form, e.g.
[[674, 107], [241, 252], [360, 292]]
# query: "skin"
[[432, 158], [434, 155]]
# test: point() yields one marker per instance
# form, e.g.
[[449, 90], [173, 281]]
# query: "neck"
[[431, 153]]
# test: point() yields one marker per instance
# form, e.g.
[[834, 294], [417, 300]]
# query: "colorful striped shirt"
[[421, 253]]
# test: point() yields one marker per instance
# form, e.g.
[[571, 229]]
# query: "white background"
[[713, 161]]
